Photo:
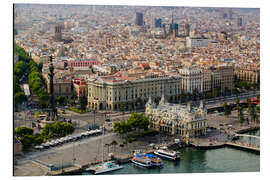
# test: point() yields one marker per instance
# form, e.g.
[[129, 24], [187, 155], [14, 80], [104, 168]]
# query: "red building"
[[81, 63], [80, 87]]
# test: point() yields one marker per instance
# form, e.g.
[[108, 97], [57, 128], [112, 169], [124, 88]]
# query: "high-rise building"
[[158, 23], [139, 19], [58, 32], [187, 29], [239, 21], [175, 30]]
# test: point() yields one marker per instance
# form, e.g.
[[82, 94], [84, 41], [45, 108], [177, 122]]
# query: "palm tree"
[[241, 115], [114, 143], [237, 106]]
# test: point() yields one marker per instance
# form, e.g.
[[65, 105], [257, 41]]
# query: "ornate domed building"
[[176, 118]]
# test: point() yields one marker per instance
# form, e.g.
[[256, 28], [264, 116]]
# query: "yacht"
[[104, 167], [168, 154]]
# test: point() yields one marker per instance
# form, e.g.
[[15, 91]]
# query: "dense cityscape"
[[102, 89]]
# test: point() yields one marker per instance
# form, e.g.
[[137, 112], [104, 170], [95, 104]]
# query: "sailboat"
[[104, 166]]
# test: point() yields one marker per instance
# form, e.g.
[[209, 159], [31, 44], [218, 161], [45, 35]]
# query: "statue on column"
[[53, 110]]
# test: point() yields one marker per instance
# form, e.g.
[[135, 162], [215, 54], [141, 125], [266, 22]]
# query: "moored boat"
[[156, 161], [104, 167], [168, 154], [141, 160]]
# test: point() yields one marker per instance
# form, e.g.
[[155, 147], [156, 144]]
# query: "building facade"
[[193, 42], [80, 87], [191, 79], [177, 119], [121, 93], [81, 63], [139, 19], [247, 74], [220, 78], [62, 86]]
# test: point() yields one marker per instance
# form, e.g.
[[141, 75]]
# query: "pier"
[[243, 146]]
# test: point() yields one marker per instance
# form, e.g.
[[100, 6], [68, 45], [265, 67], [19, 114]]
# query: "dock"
[[243, 147]]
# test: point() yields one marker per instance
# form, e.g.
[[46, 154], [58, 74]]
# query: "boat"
[[104, 167], [168, 154], [156, 161], [142, 160]]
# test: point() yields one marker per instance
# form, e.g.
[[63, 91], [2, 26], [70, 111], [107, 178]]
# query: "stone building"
[[247, 74], [62, 85], [80, 87], [192, 42], [130, 91], [176, 119], [191, 79], [220, 78]]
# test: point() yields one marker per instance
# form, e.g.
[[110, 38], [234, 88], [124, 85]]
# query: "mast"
[[102, 145]]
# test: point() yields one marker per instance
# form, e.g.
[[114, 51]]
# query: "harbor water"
[[224, 159]]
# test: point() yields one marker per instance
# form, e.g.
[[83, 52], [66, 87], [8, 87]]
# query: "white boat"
[[141, 160], [104, 167], [168, 154]]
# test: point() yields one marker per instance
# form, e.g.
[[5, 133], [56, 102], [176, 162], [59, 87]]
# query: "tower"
[[164, 31], [139, 19], [163, 100]]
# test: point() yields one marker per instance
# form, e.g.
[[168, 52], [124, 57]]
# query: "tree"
[[241, 115], [214, 93], [38, 139], [122, 106], [237, 101], [20, 68], [61, 100], [20, 97], [252, 112], [138, 121], [22, 131], [83, 103], [114, 143], [47, 130], [27, 141], [67, 128], [40, 66], [227, 110]]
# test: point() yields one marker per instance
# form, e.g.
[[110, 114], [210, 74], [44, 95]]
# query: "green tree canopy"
[[27, 141], [83, 103], [138, 121], [227, 109], [20, 97], [20, 68], [61, 100], [22, 131]]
